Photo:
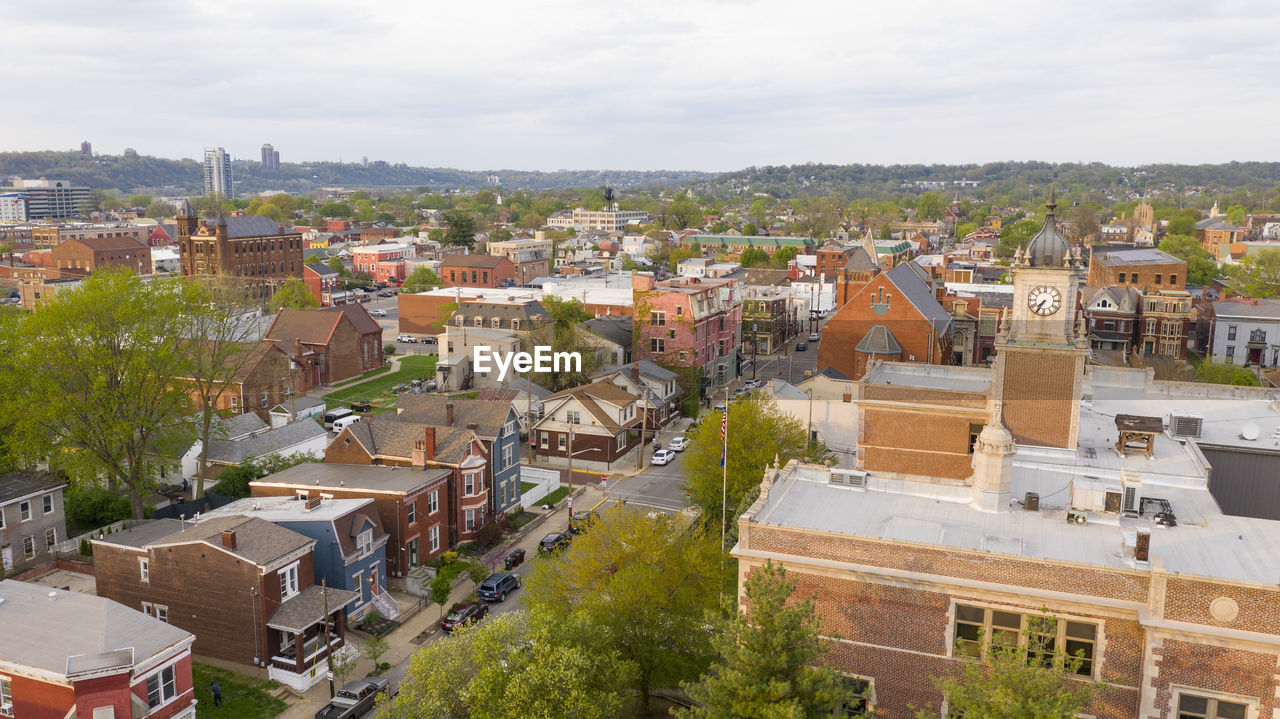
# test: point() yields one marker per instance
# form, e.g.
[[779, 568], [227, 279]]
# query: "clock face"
[[1044, 301]]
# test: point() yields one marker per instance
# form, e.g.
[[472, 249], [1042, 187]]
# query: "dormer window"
[[364, 542]]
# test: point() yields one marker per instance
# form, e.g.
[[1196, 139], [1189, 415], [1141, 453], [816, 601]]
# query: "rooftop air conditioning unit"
[[1185, 425]]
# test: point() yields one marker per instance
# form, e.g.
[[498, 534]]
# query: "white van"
[[334, 415], [345, 422]]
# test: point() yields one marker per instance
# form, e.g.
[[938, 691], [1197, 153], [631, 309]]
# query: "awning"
[[307, 608]]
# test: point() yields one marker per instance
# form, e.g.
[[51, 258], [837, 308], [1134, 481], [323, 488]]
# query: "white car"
[[663, 456], [753, 383], [678, 444], [378, 313], [407, 339], [814, 337]]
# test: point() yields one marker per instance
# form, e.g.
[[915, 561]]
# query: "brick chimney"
[[1142, 548], [229, 539], [429, 444], [448, 414], [635, 372]]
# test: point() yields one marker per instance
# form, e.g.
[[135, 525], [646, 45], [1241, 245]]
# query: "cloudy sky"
[[648, 84]]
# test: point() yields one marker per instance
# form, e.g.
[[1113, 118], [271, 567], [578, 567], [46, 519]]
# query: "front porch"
[[299, 644]]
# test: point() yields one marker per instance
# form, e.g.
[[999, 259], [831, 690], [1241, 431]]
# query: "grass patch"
[[371, 373], [378, 389], [555, 496], [526, 486], [242, 697]]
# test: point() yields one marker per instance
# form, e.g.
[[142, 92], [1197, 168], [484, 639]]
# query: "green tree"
[[1025, 679], [566, 333], [678, 254], [138, 200], [758, 432], [335, 264], [421, 279], [1258, 274], [719, 227], [160, 209], [753, 256], [639, 587], [683, 214], [783, 256], [930, 206], [1219, 373], [336, 209], [750, 230], [313, 260], [1183, 223], [1201, 267], [374, 648], [294, 295], [502, 669], [769, 664], [1013, 236], [1235, 214], [461, 226], [97, 394]]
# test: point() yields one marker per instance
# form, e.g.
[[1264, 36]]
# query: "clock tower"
[[1040, 351]]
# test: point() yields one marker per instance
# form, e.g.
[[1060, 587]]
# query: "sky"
[[709, 85]]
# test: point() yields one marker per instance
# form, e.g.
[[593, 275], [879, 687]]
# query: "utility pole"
[[328, 649], [755, 348], [809, 440], [724, 466], [644, 425], [571, 459]]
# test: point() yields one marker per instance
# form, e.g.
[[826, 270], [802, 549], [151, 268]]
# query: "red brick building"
[[477, 271], [264, 379], [329, 344], [71, 654], [321, 281], [261, 252], [91, 254]]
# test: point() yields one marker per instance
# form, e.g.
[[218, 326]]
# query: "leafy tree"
[[753, 256], [160, 209], [750, 229], [421, 279], [485, 198], [502, 669], [758, 432], [335, 264], [1183, 223], [1235, 214], [360, 196], [1257, 275], [1017, 680], [313, 260], [783, 256], [566, 333], [637, 587], [1201, 267], [678, 254], [461, 226], [719, 227], [374, 648], [683, 214], [293, 294], [97, 395], [1219, 373], [235, 481], [930, 206], [1013, 236], [769, 664], [565, 313], [336, 209]]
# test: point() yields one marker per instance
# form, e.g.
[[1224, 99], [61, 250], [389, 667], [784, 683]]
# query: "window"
[[1157, 278], [413, 512], [622, 441], [468, 485], [148, 609], [144, 570], [471, 520], [264, 394], [364, 542], [50, 537], [6, 695], [479, 320], [561, 441], [863, 698], [1231, 332], [658, 319], [546, 440], [162, 613], [1231, 352], [1173, 279], [288, 582], [162, 687], [684, 356], [433, 502], [573, 417], [28, 547], [1045, 638], [413, 552], [1, 519], [1191, 706], [495, 323], [24, 511], [679, 311], [657, 345], [507, 456], [433, 538], [48, 504]]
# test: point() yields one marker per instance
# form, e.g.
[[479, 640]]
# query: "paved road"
[[658, 487]]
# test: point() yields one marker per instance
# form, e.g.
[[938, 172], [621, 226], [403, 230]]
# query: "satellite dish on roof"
[[1250, 432]]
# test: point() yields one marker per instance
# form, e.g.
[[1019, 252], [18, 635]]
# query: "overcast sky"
[[648, 84]]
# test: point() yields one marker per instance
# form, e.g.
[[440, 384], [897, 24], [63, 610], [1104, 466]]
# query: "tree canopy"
[[421, 279], [293, 294], [1258, 274], [1201, 266]]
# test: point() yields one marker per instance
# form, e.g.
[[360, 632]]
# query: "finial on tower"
[[1052, 203]]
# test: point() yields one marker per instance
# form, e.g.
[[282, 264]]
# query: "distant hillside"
[[140, 172]]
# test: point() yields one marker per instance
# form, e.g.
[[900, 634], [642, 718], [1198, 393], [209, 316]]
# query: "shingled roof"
[[489, 415], [590, 396], [392, 438], [316, 327], [257, 540]]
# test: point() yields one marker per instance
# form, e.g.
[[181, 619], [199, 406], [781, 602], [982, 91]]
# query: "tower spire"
[[1052, 203]]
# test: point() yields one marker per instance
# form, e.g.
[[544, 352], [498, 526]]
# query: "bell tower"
[[1040, 351]]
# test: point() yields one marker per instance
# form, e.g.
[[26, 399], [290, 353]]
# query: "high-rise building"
[[270, 157], [86, 148], [217, 172], [48, 198]]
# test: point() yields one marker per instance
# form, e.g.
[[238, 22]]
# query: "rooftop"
[[1140, 256], [16, 485], [388, 480]]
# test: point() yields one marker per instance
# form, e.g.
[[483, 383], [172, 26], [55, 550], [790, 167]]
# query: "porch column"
[[299, 654], [340, 624]]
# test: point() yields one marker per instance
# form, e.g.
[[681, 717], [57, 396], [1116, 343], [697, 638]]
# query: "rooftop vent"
[[1186, 425], [1031, 502], [848, 478]]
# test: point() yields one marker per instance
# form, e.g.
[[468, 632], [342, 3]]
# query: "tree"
[[335, 264], [753, 256], [678, 254], [758, 432], [335, 209], [313, 260], [783, 256], [461, 226], [750, 230], [374, 648], [1183, 223], [158, 209], [565, 333], [1257, 275], [637, 587], [97, 394], [683, 213], [769, 664], [930, 206], [1201, 267], [1219, 373], [421, 279], [1013, 236], [293, 294], [1024, 679], [503, 669], [1235, 214]]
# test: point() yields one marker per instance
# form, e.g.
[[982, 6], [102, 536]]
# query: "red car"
[[464, 614]]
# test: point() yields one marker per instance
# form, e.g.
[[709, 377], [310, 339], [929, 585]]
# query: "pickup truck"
[[354, 699]]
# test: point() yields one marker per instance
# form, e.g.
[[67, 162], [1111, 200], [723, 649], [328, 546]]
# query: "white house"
[[1245, 332]]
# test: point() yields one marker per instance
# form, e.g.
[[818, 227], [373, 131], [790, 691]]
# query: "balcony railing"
[[312, 649]]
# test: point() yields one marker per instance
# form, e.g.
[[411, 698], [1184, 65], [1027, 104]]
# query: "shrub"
[[86, 549], [389, 350], [440, 588], [94, 506], [449, 558], [235, 481]]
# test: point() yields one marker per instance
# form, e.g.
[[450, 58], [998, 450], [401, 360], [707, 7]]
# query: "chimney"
[[229, 539], [473, 426], [448, 415], [429, 444], [635, 372], [1142, 548]]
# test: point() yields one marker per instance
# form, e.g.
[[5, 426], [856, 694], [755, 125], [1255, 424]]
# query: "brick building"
[[366, 259], [531, 257], [408, 503], [261, 252], [1216, 236], [1111, 316], [321, 280], [328, 344], [243, 586], [100, 252], [689, 322], [53, 235], [898, 316], [1144, 269], [264, 377], [67, 654], [477, 271]]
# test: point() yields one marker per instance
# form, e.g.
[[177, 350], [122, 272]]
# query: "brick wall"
[[1188, 600], [843, 332], [915, 443], [1038, 401], [1216, 668]]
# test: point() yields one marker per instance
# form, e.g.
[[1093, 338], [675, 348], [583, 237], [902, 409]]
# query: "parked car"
[[801, 347], [386, 293], [581, 521], [354, 699], [753, 383], [740, 392], [407, 339], [814, 336], [663, 456], [378, 313], [554, 542], [428, 340], [464, 614], [678, 444], [497, 586], [719, 406]]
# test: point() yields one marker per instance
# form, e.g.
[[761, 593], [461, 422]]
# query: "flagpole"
[[724, 465]]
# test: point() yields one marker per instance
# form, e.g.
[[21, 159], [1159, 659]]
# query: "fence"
[[72, 545], [545, 482]]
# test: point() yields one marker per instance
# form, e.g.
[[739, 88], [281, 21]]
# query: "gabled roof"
[[69, 633], [21, 484], [613, 328], [858, 259], [879, 341], [591, 396], [390, 437], [919, 294], [99, 244], [1218, 223], [489, 415], [271, 441], [316, 326], [531, 313], [1122, 299], [257, 541]]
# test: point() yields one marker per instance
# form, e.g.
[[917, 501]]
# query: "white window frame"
[[289, 582], [144, 569], [48, 502], [24, 511], [364, 542], [148, 609], [507, 456], [469, 520], [469, 484], [172, 683], [29, 539], [433, 502], [413, 512], [573, 416], [1099, 637], [433, 538], [50, 537], [6, 694], [162, 612], [871, 692], [1250, 703]]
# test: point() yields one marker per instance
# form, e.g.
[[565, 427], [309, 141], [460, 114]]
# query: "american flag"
[[724, 432]]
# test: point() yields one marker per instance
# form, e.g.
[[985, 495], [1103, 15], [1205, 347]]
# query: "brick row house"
[[321, 280], [264, 377], [663, 401], [477, 271], [32, 518], [66, 654], [328, 344], [598, 422], [243, 586], [1143, 291], [689, 322]]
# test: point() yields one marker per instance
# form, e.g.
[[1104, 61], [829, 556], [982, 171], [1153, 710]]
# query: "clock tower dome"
[[1040, 352]]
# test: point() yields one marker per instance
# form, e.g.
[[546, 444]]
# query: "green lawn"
[[378, 389], [242, 697], [555, 496], [526, 486]]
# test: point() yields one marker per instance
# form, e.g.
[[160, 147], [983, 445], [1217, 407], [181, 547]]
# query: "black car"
[[554, 542], [497, 587], [463, 614], [801, 347], [580, 522]]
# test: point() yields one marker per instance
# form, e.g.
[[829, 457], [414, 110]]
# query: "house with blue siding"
[[350, 549], [497, 424]]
